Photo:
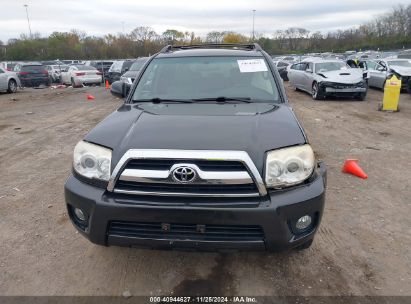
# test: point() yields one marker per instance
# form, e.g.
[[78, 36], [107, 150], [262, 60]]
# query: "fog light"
[[79, 214], [303, 222]]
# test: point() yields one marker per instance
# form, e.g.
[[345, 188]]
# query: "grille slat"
[[189, 231], [166, 164], [186, 232], [186, 188]]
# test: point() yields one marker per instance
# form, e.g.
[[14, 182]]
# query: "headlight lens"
[[288, 166], [92, 161]]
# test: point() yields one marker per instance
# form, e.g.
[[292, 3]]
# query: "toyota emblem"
[[184, 174]]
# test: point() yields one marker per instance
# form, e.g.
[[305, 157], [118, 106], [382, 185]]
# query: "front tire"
[[12, 86], [316, 92]]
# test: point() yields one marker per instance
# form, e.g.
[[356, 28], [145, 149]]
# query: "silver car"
[[322, 78], [380, 69], [9, 81]]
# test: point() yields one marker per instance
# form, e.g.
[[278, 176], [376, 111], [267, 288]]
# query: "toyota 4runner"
[[205, 153]]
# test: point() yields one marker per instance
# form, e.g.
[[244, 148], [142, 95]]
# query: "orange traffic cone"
[[90, 97], [107, 85], [351, 166]]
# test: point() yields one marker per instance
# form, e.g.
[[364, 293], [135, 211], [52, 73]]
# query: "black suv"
[[32, 74], [205, 153]]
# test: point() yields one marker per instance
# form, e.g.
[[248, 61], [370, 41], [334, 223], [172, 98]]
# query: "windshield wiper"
[[159, 100], [223, 99]]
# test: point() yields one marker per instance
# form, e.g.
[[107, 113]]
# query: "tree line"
[[388, 31]]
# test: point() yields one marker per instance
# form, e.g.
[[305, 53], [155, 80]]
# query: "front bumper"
[[346, 90], [274, 214], [88, 80], [342, 90]]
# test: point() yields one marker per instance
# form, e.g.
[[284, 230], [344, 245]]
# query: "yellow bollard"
[[392, 91]]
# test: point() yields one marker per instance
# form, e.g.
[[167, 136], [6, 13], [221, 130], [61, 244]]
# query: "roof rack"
[[252, 46]]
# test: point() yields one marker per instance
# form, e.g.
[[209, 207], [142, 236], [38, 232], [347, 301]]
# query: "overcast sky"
[[98, 17]]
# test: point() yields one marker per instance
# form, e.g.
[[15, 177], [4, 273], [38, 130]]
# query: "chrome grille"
[[216, 174]]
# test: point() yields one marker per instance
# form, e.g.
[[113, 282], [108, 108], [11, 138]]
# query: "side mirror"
[[309, 70], [126, 69], [120, 89]]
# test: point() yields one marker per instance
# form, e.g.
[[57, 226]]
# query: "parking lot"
[[362, 248]]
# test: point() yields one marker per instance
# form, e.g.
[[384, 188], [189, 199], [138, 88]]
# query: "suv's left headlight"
[[92, 161], [288, 166]]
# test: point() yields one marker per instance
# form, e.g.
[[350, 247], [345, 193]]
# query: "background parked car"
[[282, 69], [118, 68], [322, 78], [72, 61], [9, 81], [102, 66], [78, 75], [52, 62], [380, 69], [8, 65], [135, 68], [32, 74], [55, 71]]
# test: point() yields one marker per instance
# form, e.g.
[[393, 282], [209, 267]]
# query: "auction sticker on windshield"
[[252, 65]]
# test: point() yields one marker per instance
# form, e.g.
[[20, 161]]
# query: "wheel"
[[305, 245], [316, 92], [73, 84], [12, 86]]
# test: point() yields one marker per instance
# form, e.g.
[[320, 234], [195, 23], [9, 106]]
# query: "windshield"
[[138, 64], [207, 78], [32, 68], [403, 63], [330, 66]]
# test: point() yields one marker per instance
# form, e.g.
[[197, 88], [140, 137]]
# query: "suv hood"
[[254, 128], [342, 76]]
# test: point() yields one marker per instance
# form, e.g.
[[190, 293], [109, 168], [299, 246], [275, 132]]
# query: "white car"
[[9, 81], [78, 75], [322, 78]]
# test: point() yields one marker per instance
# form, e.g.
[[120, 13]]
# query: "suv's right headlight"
[[288, 166], [92, 161]]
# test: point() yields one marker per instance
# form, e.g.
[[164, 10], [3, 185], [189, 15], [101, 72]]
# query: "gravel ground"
[[362, 248]]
